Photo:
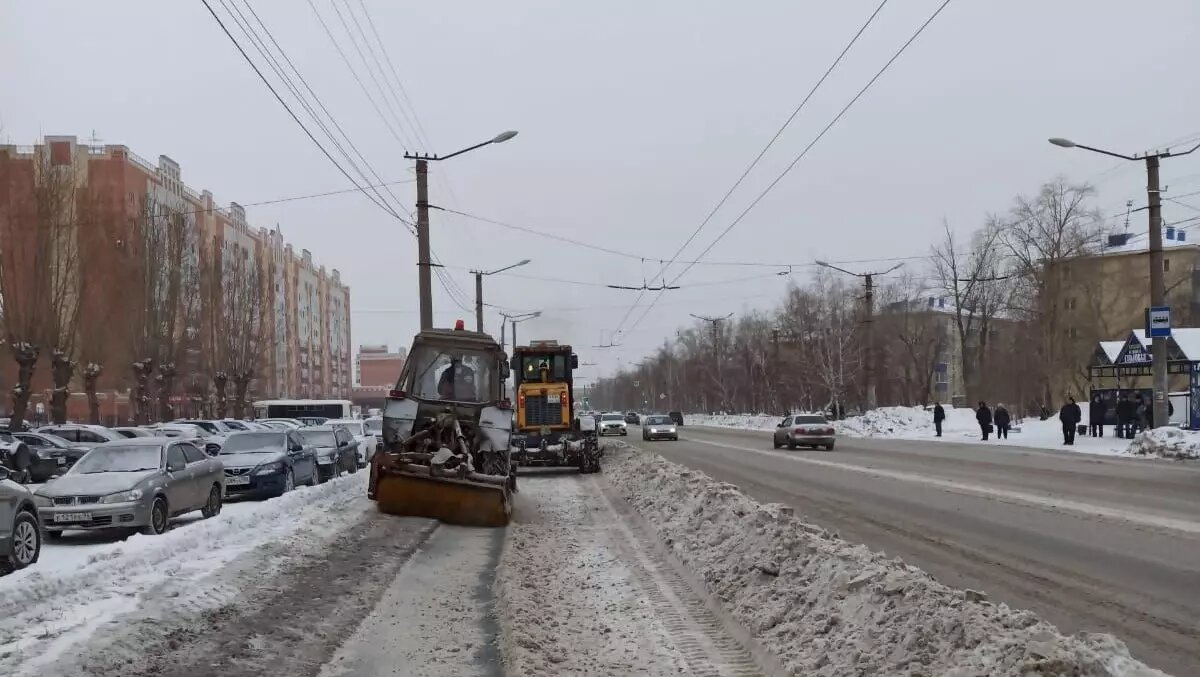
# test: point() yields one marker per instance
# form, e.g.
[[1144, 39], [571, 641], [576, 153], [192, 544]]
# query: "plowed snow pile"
[[826, 607], [1167, 442]]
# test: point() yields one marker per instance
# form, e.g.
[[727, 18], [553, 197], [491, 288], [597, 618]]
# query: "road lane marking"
[[971, 489]]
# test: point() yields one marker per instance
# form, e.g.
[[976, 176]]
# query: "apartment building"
[[306, 340]]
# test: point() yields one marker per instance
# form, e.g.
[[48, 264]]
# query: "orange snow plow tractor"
[[446, 434]]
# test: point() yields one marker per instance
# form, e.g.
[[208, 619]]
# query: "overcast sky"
[[634, 119]]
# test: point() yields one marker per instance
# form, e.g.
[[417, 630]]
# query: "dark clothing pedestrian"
[[1125, 413], [939, 415], [1003, 421], [1096, 411], [1069, 415], [1141, 415], [984, 416]]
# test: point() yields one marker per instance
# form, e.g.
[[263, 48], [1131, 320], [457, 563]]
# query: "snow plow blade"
[[449, 500]]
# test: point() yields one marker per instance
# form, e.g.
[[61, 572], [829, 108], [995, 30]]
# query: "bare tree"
[[913, 338], [91, 374], [245, 323]]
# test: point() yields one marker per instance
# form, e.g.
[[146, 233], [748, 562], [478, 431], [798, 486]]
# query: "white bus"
[[302, 409]]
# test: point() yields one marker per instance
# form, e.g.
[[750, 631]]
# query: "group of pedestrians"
[[1134, 414], [999, 420]]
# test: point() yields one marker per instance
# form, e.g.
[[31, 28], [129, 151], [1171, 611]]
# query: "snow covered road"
[[1027, 538]]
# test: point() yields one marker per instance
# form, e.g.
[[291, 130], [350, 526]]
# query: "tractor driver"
[[457, 382]]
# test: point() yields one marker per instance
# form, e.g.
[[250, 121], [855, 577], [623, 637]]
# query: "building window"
[[1070, 304]]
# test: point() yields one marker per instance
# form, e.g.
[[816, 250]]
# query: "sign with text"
[[1158, 321]]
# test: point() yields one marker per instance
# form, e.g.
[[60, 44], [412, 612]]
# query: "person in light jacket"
[[939, 415], [984, 416], [1003, 421], [1070, 416]]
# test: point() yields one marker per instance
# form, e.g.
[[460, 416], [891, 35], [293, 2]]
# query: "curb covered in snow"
[[826, 607], [1167, 443]]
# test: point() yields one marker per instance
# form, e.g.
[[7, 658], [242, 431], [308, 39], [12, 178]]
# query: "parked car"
[[291, 423], [20, 528], [217, 430], [82, 432], [313, 420], [805, 430], [241, 426], [267, 462], [368, 442], [336, 449], [137, 483], [375, 425], [6, 424], [659, 427], [676, 417], [17, 457], [52, 455], [632, 418], [132, 432], [613, 424], [207, 441]]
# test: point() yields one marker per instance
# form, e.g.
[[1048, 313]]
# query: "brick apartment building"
[[307, 328], [377, 371]]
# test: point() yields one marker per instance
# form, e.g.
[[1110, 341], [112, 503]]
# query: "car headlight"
[[42, 501], [122, 496], [269, 468], [671, 430], [44, 453]]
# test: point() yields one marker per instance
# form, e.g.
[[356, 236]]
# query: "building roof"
[[1187, 339], [1112, 349]]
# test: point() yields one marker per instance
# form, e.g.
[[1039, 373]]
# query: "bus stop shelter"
[[1125, 366]]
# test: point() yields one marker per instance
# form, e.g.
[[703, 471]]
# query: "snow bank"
[[826, 607], [59, 602], [1167, 443]]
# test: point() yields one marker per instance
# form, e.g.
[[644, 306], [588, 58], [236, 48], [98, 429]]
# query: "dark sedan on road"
[[52, 455], [136, 484], [336, 449], [267, 463]]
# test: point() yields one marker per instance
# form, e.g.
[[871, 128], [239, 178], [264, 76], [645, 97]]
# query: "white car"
[[613, 423], [368, 441], [207, 441]]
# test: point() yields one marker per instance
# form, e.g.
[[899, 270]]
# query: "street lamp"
[[1158, 292], [479, 285], [424, 277], [514, 319]]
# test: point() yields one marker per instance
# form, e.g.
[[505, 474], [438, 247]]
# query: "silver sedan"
[[805, 430], [137, 483]]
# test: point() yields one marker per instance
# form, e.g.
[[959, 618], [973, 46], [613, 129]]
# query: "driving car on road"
[[613, 424], [676, 417], [632, 418], [136, 484], [659, 427], [336, 449], [51, 455], [805, 430], [20, 528], [368, 442], [267, 463]]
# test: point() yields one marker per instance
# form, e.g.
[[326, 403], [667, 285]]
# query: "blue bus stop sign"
[[1158, 321]]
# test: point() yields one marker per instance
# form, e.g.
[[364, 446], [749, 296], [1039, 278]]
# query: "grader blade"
[[450, 500]]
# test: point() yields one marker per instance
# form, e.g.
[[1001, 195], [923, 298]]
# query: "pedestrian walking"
[[1070, 416], [1096, 411], [1003, 421], [1141, 414], [939, 415], [984, 416], [1125, 413]]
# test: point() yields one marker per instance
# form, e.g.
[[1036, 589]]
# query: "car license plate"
[[60, 460], [234, 481], [73, 517]]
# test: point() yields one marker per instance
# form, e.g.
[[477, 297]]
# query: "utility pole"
[[479, 290], [424, 275], [1158, 294], [868, 322], [715, 324]]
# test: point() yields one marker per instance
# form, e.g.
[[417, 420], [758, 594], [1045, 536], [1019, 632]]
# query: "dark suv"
[[632, 418], [676, 417]]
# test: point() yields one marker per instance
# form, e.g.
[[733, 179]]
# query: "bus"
[[301, 409]]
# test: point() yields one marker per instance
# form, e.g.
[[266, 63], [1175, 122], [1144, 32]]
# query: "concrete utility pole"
[[424, 274], [1158, 293], [868, 322], [715, 324], [479, 290]]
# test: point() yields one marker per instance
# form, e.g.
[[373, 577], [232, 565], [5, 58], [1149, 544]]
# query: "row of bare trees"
[[980, 310], [166, 315]]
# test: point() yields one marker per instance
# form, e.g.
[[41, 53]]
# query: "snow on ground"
[[90, 578], [916, 423], [1167, 443], [826, 607]]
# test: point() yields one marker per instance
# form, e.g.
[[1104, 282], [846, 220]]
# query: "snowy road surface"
[[1089, 543]]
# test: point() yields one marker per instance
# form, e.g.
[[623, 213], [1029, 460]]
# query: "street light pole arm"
[[1107, 152], [829, 265], [1186, 152]]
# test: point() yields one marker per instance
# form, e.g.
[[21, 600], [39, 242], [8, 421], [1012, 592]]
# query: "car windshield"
[[612, 417], [355, 427], [115, 458], [810, 419], [253, 443], [206, 426], [375, 425], [459, 375], [657, 420], [321, 438], [236, 425]]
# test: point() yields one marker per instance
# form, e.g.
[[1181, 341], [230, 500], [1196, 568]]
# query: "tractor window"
[[532, 365], [457, 375]]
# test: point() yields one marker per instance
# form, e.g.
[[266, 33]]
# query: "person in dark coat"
[[984, 416], [1125, 412], [1003, 421], [939, 415], [1096, 410], [1069, 415], [1141, 415]]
